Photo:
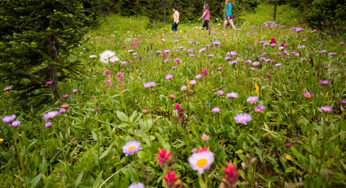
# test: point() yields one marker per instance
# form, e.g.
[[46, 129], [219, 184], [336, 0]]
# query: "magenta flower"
[[50, 115], [173, 68], [202, 50], [169, 77], [256, 64], [48, 124], [308, 95], [62, 111], [7, 89], [342, 43], [342, 102], [216, 43], [74, 91], [199, 76], [324, 82], [205, 137], [242, 118], [146, 85], [323, 51], [220, 92], [66, 95], [106, 72], [232, 95], [233, 62], [120, 75], [193, 82], [332, 54], [49, 83], [216, 110], [15, 123], [228, 58], [205, 72], [259, 108], [9, 119], [152, 84], [190, 50], [183, 88], [131, 147], [219, 68], [177, 60], [326, 109], [252, 100], [288, 145]]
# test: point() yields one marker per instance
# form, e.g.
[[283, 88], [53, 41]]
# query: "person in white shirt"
[[176, 20]]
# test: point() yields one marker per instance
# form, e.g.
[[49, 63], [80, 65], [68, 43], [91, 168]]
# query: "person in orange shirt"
[[176, 20]]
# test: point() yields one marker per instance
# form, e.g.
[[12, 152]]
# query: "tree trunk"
[[53, 71], [164, 11], [275, 6]]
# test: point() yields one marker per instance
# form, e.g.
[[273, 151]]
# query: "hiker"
[[229, 15], [206, 16], [176, 20]]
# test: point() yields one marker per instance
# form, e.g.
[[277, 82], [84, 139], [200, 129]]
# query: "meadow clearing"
[[269, 101]]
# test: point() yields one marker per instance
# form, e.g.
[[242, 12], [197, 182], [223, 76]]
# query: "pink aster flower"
[[9, 119], [131, 147], [15, 124], [183, 88], [326, 109], [169, 77], [50, 115], [7, 89], [199, 76], [308, 95], [252, 99], [242, 118], [193, 82], [232, 95], [324, 82], [48, 124], [205, 137], [216, 110], [220, 92], [49, 83]]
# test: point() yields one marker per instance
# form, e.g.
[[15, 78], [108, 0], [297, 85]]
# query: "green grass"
[[84, 147], [286, 16]]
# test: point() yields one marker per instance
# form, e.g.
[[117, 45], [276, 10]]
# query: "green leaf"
[[105, 153], [122, 116], [36, 180], [79, 179]]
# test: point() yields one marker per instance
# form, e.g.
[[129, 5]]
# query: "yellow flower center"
[[205, 137], [202, 162], [308, 96], [325, 110], [252, 100], [243, 120], [132, 148], [51, 116]]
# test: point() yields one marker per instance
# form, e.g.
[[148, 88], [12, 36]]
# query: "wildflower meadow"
[[152, 108]]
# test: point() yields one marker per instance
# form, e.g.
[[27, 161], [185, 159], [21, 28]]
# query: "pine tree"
[[36, 37]]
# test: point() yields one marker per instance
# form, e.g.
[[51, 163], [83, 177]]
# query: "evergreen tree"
[[36, 36]]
